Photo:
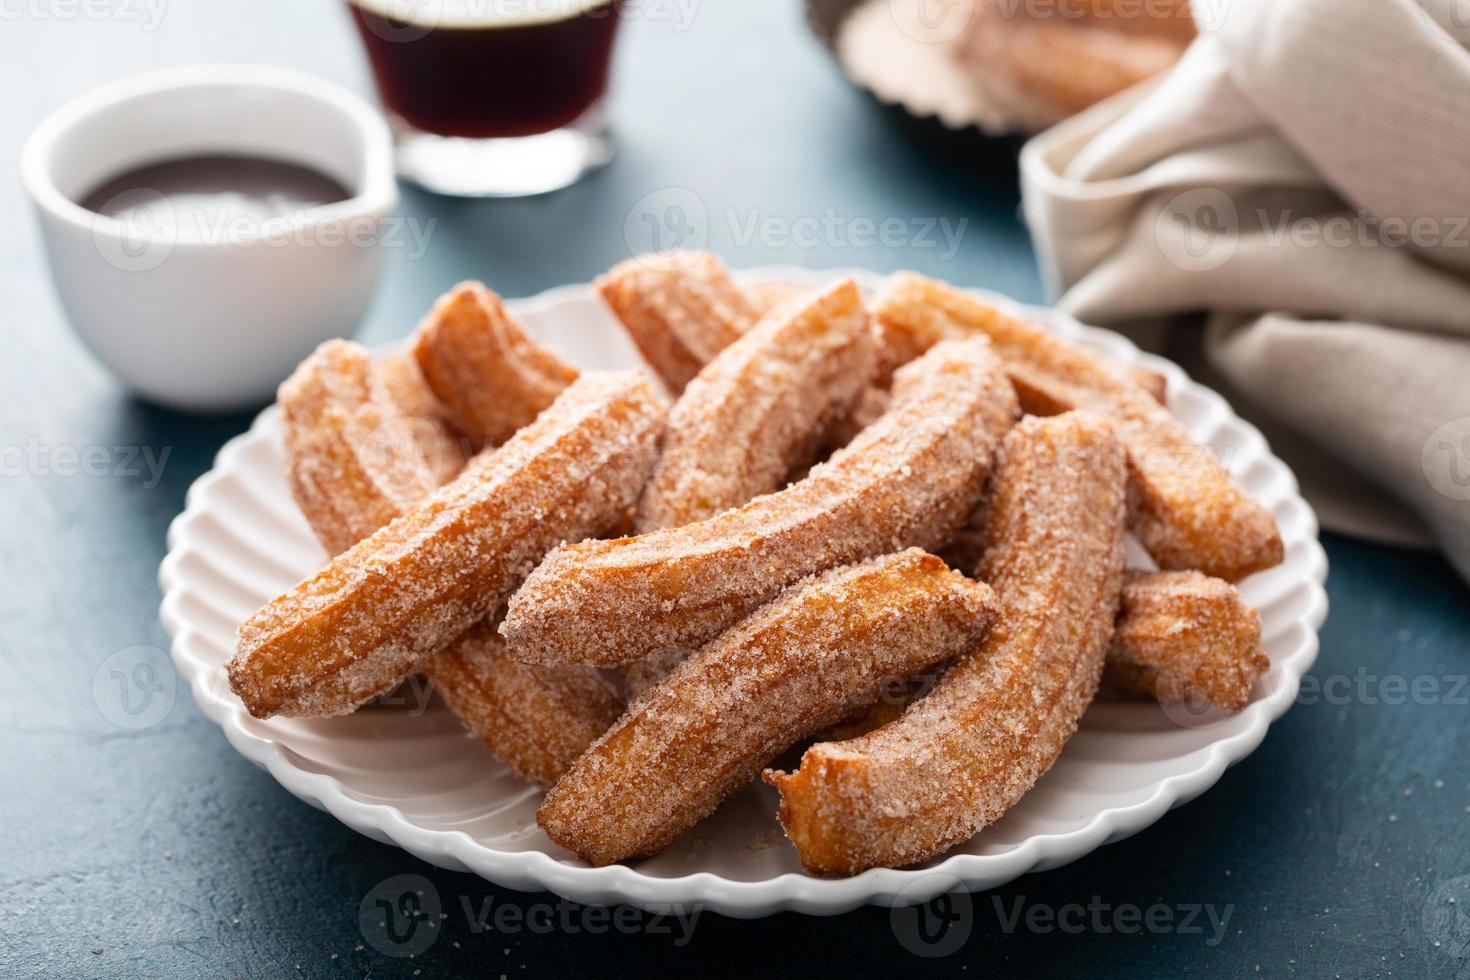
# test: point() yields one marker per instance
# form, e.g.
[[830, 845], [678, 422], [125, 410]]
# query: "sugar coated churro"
[[760, 407], [680, 308], [1183, 636], [908, 479], [964, 753], [1184, 508], [823, 648], [491, 375], [537, 720], [348, 478], [378, 610], [427, 428]]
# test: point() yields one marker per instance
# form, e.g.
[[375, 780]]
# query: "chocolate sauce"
[[491, 76], [201, 189]]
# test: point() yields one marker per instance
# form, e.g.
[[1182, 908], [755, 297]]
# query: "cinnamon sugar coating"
[[680, 309], [537, 720], [963, 754], [1184, 636], [350, 468], [428, 429], [1185, 509], [488, 371], [822, 649], [377, 611], [760, 407], [907, 480]]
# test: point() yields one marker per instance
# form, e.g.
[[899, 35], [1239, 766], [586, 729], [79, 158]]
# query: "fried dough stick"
[[379, 610], [821, 649], [1185, 509], [907, 480], [962, 755]]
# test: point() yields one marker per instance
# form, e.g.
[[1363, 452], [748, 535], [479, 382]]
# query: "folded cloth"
[[1297, 184]]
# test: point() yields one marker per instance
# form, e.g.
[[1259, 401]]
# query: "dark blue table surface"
[[1339, 848]]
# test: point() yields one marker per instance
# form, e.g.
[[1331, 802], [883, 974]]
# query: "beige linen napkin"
[[1301, 180]]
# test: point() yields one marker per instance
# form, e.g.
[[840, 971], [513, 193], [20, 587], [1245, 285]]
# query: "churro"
[[480, 362], [680, 309], [766, 295], [908, 479], [428, 430], [377, 611], [1183, 636], [822, 649], [963, 754], [760, 407], [537, 720], [1185, 509], [347, 473]]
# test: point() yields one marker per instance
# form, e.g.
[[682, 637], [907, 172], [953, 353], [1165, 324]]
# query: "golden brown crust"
[[483, 365], [907, 480], [1045, 63], [680, 309], [348, 471], [760, 407], [537, 720], [377, 611], [823, 648], [968, 750], [427, 428], [1184, 636], [767, 295], [1184, 508]]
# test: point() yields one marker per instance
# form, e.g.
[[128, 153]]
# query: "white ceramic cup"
[[211, 318]]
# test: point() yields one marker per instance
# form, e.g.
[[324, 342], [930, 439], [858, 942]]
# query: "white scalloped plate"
[[413, 778]]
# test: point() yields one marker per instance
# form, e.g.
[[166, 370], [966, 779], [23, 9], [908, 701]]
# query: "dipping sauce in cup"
[[492, 97]]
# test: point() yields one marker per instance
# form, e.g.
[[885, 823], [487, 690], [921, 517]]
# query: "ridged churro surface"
[[680, 309], [1185, 509], [537, 720], [760, 407], [822, 649], [377, 611], [1183, 636], [963, 754], [909, 479], [482, 364]]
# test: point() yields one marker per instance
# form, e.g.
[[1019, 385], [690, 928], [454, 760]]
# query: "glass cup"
[[492, 98]]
